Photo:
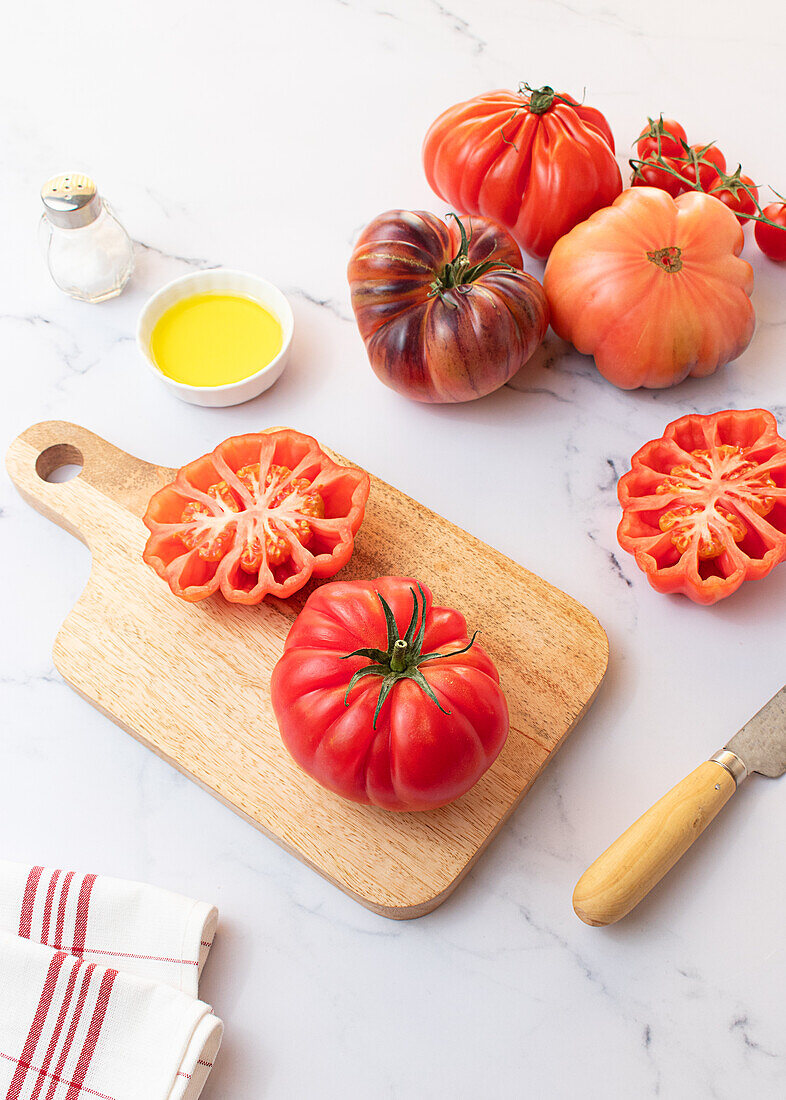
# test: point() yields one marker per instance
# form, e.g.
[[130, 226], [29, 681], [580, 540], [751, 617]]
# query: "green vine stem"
[[731, 182], [544, 97], [539, 100], [403, 657], [458, 273]]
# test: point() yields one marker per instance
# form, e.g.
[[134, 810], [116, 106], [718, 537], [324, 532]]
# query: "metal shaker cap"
[[71, 200]]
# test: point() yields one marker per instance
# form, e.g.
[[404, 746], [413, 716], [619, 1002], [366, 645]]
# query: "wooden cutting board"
[[191, 680]]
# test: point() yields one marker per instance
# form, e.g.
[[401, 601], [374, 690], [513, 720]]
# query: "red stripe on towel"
[[58, 1080], [43, 1072], [80, 1004], [37, 1026], [144, 958], [93, 1033], [58, 944], [82, 907], [26, 915], [50, 894]]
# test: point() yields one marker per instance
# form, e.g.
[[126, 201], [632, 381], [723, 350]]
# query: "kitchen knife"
[[627, 871]]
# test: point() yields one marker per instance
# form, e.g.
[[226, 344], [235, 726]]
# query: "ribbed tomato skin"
[[457, 347], [416, 757], [536, 174], [646, 326]]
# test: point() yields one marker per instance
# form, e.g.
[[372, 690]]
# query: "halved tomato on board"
[[261, 514], [704, 507]]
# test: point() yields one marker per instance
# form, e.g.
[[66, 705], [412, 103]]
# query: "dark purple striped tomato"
[[446, 312]]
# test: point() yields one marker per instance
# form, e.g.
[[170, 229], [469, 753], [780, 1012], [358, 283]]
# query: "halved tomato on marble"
[[260, 514], [704, 506]]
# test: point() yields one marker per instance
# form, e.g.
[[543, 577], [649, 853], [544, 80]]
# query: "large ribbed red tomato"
[[446, 313], [704, 507], [384, 699], [260, 514], [536, 161]]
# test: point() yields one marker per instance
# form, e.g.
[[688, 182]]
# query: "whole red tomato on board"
[[536, 161], [738, 192], [384, 699], [771, 239], [704, 506], [661, 135], [260, 514], [446, 314], [654, 288]]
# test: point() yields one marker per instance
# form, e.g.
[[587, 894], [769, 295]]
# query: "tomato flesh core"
[[212, 541], [725, 475]]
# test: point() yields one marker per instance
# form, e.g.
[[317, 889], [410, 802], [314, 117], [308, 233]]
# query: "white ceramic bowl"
[[225, 282]]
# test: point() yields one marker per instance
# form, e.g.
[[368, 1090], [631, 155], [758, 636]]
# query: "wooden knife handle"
[[627, 871]]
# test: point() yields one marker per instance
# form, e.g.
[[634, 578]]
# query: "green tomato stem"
[[398, 658], [541, 100], [636, 164]]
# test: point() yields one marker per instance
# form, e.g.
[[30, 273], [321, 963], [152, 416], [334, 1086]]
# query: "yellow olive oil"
[[213, 339]]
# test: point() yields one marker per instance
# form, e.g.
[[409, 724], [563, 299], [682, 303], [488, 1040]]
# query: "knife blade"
[[761, 743], [629, 868]]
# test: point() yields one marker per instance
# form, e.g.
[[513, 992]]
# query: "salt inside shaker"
[[89, 253]]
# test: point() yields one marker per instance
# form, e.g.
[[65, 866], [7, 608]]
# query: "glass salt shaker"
[[89, 253]]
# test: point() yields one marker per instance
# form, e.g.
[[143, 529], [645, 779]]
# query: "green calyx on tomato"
[[666, 137], [667, 259], [540, 99], [459, 272], [739, 193], [403, 657]]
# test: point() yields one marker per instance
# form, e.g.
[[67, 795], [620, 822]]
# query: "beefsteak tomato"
[[704, 507], [384, 699], [654, 288], [445, 315], [536, 161], [261, 514]]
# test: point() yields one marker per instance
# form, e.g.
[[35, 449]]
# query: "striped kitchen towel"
[[98, 982], [137, 928], [72, 1030]]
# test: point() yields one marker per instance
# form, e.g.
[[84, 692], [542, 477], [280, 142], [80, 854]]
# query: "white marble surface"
[[263, 136]]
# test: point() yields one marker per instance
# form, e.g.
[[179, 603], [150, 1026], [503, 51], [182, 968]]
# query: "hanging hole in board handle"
[[59, 463]]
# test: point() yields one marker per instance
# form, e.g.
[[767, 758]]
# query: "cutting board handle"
[[106, 471]]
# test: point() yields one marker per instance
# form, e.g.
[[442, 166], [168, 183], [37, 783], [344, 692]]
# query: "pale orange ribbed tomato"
[[654, 288]]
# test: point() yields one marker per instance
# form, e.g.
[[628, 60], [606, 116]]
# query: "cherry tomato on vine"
[[772, 240], [651, 174], [707, 163], [671, 136], [738, 192]]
